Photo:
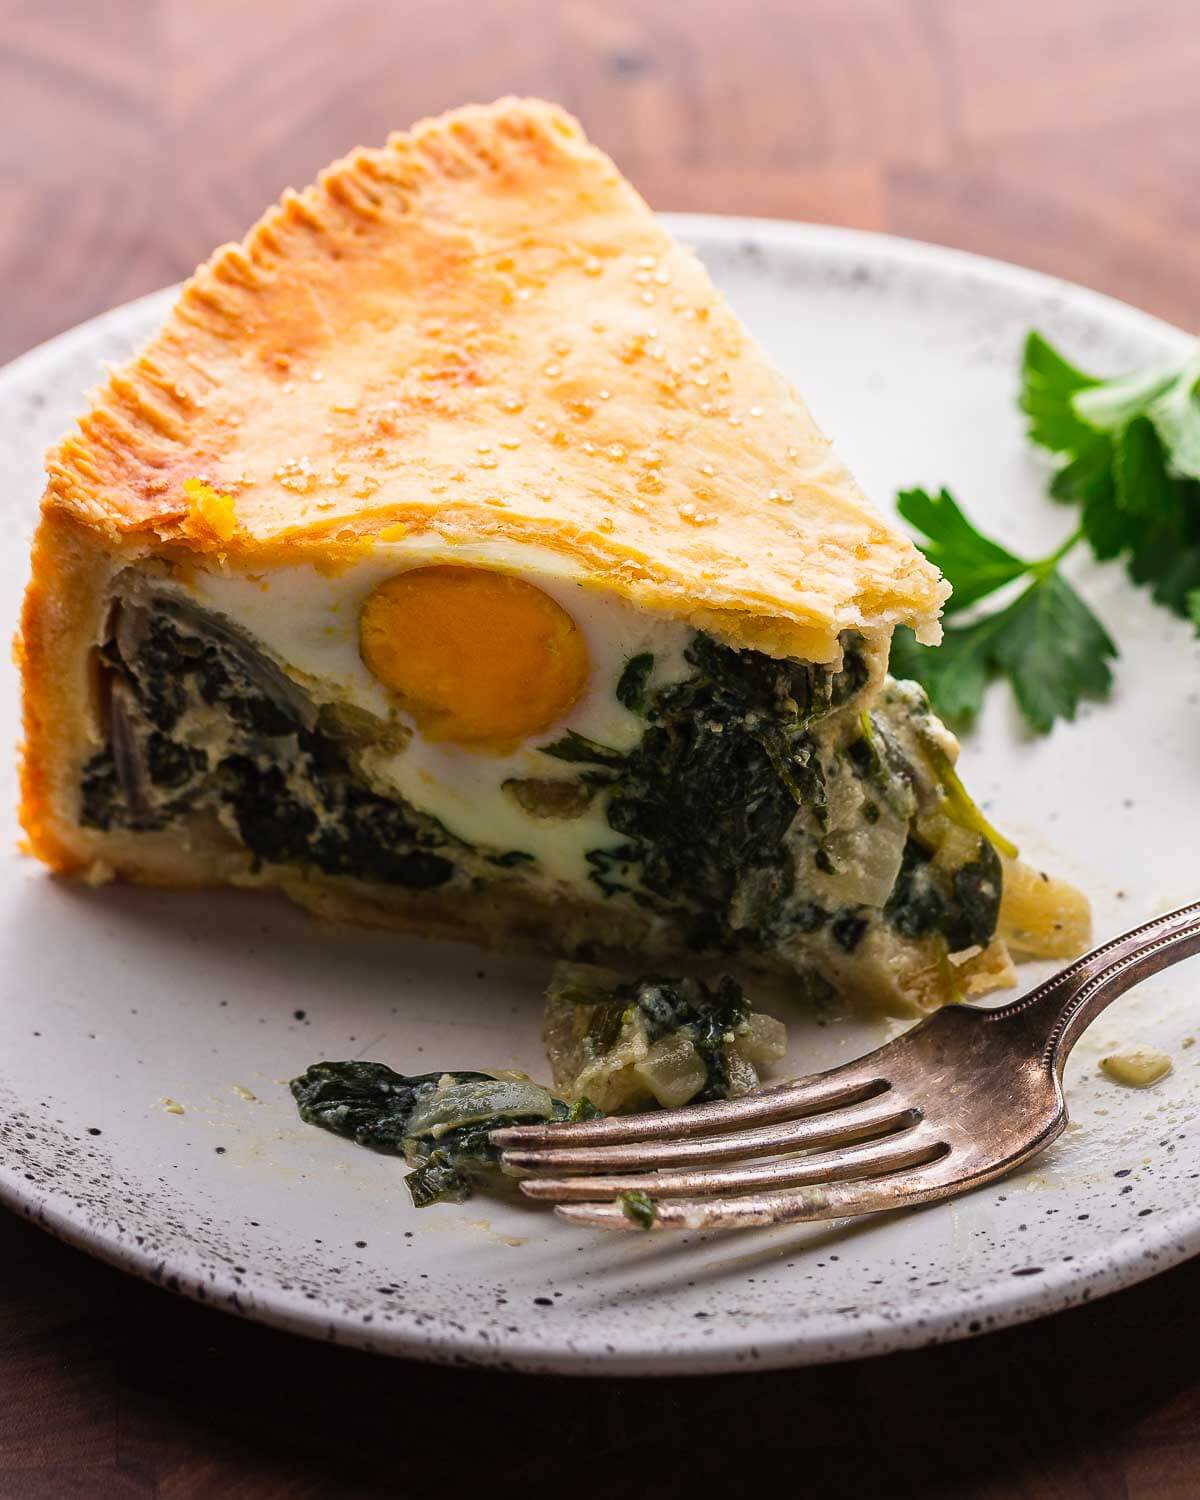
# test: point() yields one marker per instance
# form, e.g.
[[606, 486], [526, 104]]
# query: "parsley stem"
[[1047, 565]]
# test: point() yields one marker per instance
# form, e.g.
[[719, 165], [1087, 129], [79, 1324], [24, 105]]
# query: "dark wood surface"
[[135, 135]]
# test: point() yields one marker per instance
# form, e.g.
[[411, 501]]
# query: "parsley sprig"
[[1047, 642], [1127, 454]]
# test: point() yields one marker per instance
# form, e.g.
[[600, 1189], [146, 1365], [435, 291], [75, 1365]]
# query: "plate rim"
[[824, 1337], [729, 229]]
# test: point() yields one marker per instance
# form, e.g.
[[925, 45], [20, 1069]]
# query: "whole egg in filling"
[[478, 659]]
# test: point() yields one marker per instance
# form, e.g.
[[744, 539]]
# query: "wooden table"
[[136, 134]]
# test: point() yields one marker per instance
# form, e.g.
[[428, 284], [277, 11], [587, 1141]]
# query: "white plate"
[[117, 998]]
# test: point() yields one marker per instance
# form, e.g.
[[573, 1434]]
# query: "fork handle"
[[1058, 1012]]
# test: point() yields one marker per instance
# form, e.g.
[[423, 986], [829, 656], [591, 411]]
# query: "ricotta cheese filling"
[[752, 804], [309, 625]]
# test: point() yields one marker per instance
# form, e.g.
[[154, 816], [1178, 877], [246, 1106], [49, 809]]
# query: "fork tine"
[[802, 1096], [871, 1159], [837, 1200], [857, 1122]]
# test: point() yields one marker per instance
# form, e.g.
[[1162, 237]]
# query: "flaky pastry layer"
[[481, 330]]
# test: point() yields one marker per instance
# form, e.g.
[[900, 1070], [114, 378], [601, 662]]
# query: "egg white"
[[309, 623]]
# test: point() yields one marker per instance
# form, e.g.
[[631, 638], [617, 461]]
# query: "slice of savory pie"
[[453, 560]]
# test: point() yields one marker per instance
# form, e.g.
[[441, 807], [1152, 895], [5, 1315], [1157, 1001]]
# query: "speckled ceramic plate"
[[116, 999]]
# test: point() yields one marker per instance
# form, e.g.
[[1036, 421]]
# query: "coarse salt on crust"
[[481, 330]]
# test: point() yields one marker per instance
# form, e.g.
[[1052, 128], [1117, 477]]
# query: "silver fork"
[[963, 1097]]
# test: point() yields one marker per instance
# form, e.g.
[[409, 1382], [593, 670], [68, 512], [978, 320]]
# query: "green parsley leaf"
[[1142, 486], [973, 564], [954, 674], [1176, 416], [1168, 398], [1054, 651], [1110, 405], [1087, 476], [1048, 386], [1047, 642], [1172, 571], [1130, 452], [1109, 529]]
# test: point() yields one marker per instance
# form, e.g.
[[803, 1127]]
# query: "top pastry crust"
[[482, 331]]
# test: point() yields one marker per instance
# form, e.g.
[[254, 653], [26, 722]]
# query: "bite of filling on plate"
[[614, 1045], [454, 561], [440, 1123], [630, 1044]]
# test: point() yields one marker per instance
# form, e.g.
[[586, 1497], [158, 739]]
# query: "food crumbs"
[[244, 1093], [1138, 1068], [172, 1107]]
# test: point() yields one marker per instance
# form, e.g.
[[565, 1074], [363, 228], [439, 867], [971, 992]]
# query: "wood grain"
[[137, 134], [1063, 133], [112, 1388]]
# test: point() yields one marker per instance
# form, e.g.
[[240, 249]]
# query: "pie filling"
[[517, 596], [769, 806]]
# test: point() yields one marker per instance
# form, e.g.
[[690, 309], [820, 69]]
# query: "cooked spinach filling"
[[200, 721], [439, 1122], [733, 786], [962, 904], [709, 1018], [707, 797], [755, 809], [631, 1044]]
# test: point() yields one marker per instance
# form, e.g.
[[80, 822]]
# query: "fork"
[[963, 1097]]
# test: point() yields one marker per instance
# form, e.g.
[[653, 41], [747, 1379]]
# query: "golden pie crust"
[[479, 331]]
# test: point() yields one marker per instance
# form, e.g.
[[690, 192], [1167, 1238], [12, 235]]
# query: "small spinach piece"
[[639, 1208], [367, 1102], [441, 1123], [877, 757], [977, 890], [963, 905], [848, 930], [631, 685], [578, 749], [917, 905], [709, 1018], [437, 1180]]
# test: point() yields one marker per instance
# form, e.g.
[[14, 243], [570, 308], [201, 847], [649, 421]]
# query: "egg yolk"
[[477, 658]]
